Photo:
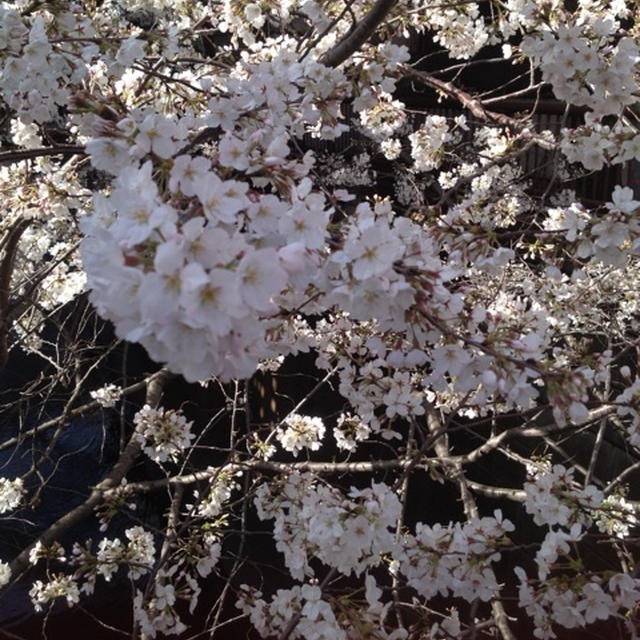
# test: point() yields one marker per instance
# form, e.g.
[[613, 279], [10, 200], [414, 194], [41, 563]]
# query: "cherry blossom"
[[239, 187], [11, 492]]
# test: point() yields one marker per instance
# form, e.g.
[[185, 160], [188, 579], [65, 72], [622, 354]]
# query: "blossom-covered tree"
[[285, 196]]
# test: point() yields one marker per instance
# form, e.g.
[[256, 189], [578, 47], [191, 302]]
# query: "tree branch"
[[457, 475], [358, 36], [21, 563], [476, 107], [10, 243], [320, 468], [9, 157], [49, 424]]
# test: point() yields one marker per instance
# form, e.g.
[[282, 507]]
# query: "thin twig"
[[21, 563]]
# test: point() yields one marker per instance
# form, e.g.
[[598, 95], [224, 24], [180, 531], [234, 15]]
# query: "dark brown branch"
[[8, 157], [10, 243], [465, 99], [477, 108], [358, 36]]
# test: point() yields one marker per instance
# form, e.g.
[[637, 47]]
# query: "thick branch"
[[9, 157], [515, 495], [358, 36], [10, 243], [320, 468]]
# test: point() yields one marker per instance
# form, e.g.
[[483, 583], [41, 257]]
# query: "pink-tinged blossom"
[[223, 112], [157, 134], [261, 278], [625, 590], [555, 544], [211, 299], [596, 604], [304, 223], [372, 251], [265, 214], [233, 153], [187, 172], [221, 199], [622, 200], [210, 246], [109, 154]]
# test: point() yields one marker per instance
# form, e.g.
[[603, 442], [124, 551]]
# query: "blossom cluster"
[[459, 28], [553, 498], [164, 435], [211, 502], [427, 143], [137, 553], [596, 144], [58, 586], [11, 492], [350, 430], [587, 70], [54, 551], [313, 520], [616, 516], [608, 237], [550, 603], [192, 557], [384, 119], [435, 559], [202, 291], [158, 615], [36, 77], [107, 396], [300, 432], [270, 619]]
